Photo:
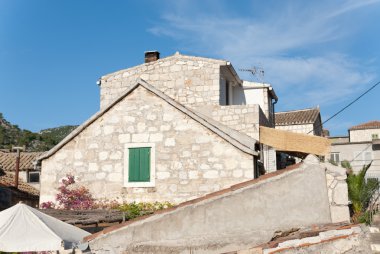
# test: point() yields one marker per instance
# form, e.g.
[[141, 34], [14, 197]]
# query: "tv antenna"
[[257, 72]]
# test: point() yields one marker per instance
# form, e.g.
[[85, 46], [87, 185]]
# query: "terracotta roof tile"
[[8, 160], [8, 180], [303, 116], [368, 125]]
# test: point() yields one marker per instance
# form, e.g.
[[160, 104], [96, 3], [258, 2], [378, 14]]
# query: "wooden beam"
[[294, 142]]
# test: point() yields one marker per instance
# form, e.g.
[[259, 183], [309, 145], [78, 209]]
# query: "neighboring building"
[[359, 148], [10, 195], [307, 121], [304, 121], [188, 127], [29, 168]]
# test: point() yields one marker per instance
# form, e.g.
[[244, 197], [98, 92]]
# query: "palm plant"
[[360, 193]]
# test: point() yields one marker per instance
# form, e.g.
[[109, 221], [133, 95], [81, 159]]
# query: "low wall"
[[245, 214], [337, 192]]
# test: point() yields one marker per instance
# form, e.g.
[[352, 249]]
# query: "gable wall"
[[190, 159], [188, 80]]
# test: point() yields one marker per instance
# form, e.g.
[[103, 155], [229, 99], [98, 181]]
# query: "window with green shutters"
[[139, 164]]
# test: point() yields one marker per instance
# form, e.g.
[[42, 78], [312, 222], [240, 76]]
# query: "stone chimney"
[[151, 56]]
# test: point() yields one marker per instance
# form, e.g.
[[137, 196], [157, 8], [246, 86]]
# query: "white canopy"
[[23, 228]]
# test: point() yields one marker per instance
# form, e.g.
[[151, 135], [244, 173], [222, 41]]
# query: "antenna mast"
[[257, 72]]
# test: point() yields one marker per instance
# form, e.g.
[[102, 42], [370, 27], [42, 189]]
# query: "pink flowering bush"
[[71, 197]]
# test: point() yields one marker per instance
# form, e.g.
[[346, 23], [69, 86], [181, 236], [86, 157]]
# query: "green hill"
[[11, 135]]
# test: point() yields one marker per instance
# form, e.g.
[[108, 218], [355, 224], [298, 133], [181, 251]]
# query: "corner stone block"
[[341, 194]]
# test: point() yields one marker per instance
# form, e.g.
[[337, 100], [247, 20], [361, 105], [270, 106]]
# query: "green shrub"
[[360, 192], [133, 210]]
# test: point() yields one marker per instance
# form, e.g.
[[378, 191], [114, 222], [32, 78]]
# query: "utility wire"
[[340, 111]]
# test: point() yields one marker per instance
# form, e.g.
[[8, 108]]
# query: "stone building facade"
[[188, 160], [191, 155], [188, 80], [306, 121]]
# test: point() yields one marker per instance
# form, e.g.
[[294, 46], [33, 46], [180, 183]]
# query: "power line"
[[340, 111]]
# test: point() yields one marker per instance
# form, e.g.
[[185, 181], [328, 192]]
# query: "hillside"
[[35, 142]]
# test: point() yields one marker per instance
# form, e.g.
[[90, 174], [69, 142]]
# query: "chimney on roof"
[[151, 56]]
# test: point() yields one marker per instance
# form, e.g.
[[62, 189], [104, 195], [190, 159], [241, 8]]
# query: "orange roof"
[[8, 160], [367, 125], [8, 180]]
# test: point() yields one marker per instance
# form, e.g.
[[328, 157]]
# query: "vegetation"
[[74, 197], [12, 135], [361, 192]]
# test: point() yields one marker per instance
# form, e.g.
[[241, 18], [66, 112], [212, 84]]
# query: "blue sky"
[[319, 53]]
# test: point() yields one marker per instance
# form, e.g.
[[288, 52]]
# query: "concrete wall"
[[359, 154], [190, 160], [188, 80], [244, 215], [258, 93], [363, 135]]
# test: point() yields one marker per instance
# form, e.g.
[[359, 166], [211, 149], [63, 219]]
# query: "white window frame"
[[152, 182], [334, 155]]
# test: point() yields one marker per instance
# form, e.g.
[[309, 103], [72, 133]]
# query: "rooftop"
[[241, 141], [367, 125], [303, 116], [27, 159], [8, 180]]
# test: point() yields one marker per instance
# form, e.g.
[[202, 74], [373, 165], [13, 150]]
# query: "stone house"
[[307, 121], [171, 129], [304, 121], [359, 148]]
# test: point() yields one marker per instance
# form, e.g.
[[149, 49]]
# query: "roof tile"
[[8, 160], [367, 125], [303, 116], [8, 180]]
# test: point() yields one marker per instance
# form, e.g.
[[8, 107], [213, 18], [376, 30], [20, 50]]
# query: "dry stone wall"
[[188, 80], [244, 118], [190, 160], [337, 192]]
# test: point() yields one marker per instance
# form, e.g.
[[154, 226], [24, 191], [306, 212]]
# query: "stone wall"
[[297, 128], [188, 80], [243, 118], [337, 192], [191, 160], [244, 215]]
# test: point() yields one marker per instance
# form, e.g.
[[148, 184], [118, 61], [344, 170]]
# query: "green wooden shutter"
[[145, 164], [139, 164]]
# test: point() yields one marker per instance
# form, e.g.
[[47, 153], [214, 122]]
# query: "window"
[[139, 165], [34, 177], [375, 136], [334, 157]]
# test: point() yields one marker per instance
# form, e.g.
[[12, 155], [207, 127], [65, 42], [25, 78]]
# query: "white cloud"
[[293, 44]]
